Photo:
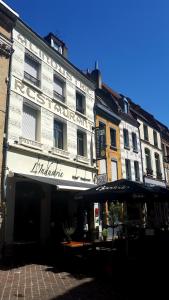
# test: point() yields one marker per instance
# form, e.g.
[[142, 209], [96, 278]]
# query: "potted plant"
[[104, 234], [69, 229]]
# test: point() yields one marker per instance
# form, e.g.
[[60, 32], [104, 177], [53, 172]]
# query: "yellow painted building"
[[109, 165], [112, 153], [106, 110]]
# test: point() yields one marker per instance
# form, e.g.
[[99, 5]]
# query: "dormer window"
[[126, 106], [56, 46]]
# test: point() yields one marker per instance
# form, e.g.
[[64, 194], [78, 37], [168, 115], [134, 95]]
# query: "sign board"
[[100, 134]]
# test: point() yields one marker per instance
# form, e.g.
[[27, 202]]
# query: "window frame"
[[27, 76], [128, 169], [134, 142], [155, 138], [145, 130], [136, 170], [126, 106], [63, 131], [82, 153], [82, 107], [126, 145], [113, 146], [158, 165], [148, 162], [37, 126], [57, 95]]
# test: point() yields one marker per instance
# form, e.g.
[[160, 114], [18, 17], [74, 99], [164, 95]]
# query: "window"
[[145, 128], [158, 166], [59, 88], [29, 123], [113, 138], [126, 106], [102, 169], [163, 148], [136, 170], [114, 170], [155, 138], [134, 142], [56, 46], [167, 150], [128, 169], [81, 142], [32, 70], [58, 134], [126, 138], [148, 162], [80, 102]]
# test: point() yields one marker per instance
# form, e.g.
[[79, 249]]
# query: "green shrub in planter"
[[104, 233]]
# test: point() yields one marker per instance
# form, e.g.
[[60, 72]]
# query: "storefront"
[[40, 198]]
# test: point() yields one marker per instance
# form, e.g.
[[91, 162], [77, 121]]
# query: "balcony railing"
[[58, 96], [32, 79], [166, 159], [149, 172], [159, 175], [60, 152]]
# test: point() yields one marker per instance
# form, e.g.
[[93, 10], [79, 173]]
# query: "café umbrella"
[[122, 190]]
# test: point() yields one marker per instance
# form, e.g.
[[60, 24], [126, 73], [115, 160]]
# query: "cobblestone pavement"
[[39, 281]]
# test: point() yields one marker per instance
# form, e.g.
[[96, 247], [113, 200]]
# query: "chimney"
[[95, 75]]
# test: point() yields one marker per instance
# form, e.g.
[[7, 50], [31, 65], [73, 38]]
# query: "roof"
[[56, 53], [118, 100], [139, 112]]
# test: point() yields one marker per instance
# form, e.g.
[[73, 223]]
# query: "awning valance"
[[59, 183]]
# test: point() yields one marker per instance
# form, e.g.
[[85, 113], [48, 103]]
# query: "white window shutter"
[[102, 166], [58, 86], [31, 67], [29, 122], [114, 170]]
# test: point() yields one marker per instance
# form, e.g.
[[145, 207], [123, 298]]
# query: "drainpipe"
[[141, 156], [5, 147]]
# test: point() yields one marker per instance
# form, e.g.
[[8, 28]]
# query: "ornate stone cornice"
[[5, 47]]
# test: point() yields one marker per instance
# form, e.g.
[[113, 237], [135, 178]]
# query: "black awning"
[[123, 191], [59, 183]]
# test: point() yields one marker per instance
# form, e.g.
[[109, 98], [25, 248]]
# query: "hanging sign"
[[100, 134]]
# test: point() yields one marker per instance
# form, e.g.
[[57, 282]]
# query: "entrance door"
[[27, 211], [114, 170]]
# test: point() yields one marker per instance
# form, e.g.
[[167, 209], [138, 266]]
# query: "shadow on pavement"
[[109, 275]]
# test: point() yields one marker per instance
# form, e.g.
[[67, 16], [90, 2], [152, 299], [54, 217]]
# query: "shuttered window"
[[29, 123], [32, 70], [31, 67], [59, 86]]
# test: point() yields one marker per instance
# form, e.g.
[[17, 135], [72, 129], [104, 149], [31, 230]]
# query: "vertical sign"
[[100, 133]]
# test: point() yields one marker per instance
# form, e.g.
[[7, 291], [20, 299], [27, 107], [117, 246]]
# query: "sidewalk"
[[43, 282]]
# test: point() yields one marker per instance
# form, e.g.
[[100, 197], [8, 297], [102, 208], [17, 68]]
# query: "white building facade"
[[50, 137], [130, 152], [152, 154]]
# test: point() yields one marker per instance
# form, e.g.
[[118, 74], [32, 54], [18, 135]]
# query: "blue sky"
[[129, 38]]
